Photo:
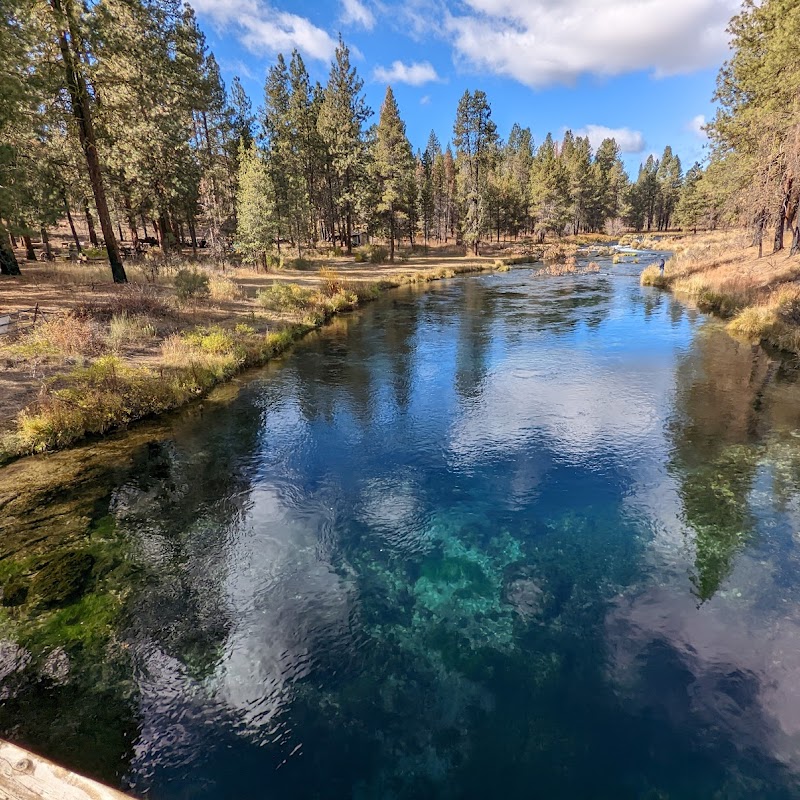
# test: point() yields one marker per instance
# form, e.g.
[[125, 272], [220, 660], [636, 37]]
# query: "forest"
[[116, 112]]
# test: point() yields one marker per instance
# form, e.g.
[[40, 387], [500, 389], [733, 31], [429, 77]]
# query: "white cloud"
[[629, 141], [354, 12], [415, 74], [696, 125], [263, 29], [425, 100], [543, 42]]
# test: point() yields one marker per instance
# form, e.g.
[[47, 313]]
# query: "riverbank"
[[85, 357], [722, 274]]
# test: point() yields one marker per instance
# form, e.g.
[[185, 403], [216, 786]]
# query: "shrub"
[[366, 291], [191, 285], [559, 253], [331, 283], [211, 340], [299, 263], [371, 253], [274, 262], [284, 297]]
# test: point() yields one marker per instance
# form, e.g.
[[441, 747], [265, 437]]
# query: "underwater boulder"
[[523, 592], [63, 579], [15, 592]]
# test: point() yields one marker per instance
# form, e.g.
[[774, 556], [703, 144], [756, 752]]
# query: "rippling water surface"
[[509, 537]]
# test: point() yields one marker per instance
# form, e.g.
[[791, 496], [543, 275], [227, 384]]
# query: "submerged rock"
[[63, 579], [523, 592], [15, 592]]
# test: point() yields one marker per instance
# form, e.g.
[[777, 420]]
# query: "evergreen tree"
[[256, 232], [342, 115], [476, 140], [549, 190], [393, 166]]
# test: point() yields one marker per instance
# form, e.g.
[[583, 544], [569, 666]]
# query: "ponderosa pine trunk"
[[779, 227], [81, 110], [163, 233], [795, 241], [391, 234], [131, 220], [93, 240], [30, 253], [48, 251], [192, 233], [8, 261], [71, 222]]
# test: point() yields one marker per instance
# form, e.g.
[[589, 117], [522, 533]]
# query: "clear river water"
[[508, 537]]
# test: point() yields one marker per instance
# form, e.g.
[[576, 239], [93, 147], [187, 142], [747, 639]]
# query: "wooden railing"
[[26, 776]]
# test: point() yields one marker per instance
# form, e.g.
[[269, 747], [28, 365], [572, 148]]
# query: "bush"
[[95, 252], [211, 340], [284, 297], [331, 283], [191, 285], [371, 253], [299, 263]]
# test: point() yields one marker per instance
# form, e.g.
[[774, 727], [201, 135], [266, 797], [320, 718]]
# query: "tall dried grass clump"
[[68, 337], [224, 289], [776, 320], [126, 330]]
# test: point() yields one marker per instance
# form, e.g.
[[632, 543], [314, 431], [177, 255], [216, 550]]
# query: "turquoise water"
[[510, 537]]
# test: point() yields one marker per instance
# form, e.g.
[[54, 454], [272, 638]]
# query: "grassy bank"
[[721, 273], [101, 357]]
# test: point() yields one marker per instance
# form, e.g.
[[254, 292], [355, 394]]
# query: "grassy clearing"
[[121, 354], [723, 275]]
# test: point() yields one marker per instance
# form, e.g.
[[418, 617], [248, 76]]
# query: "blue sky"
[[642, 70]]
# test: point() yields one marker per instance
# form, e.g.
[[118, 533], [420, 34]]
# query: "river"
[[510, 536]]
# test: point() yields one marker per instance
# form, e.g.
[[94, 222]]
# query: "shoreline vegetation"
[[722, 274], [101, 356]]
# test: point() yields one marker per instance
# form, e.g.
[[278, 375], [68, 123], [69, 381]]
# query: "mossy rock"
[[15, 592], [63, 579]]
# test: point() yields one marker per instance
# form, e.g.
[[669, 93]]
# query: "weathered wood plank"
[[25, 776]]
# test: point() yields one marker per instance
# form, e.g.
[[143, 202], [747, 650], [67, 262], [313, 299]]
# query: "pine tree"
[[476, 140], [71, 49], [340, 124], [257, 230], [549, 190], [393, 166]]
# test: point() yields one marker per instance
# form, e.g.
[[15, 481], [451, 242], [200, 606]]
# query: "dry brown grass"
[[722, 274], [60, 337]]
